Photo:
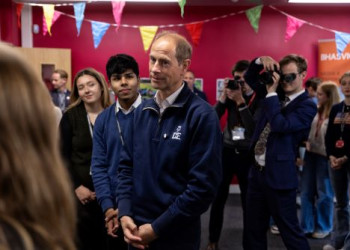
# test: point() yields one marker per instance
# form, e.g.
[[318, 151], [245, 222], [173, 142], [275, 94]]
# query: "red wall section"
[[223, 42], [9, 31]]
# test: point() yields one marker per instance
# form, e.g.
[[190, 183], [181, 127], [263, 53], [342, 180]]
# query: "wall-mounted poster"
[[198, 83], [146, 89], [219, 87], [331, 65]]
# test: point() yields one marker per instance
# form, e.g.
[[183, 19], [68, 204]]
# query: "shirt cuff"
[[243, 108], [258, 61], [271, 94]]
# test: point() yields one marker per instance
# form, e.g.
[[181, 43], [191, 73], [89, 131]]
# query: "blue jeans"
[[340, 182], [316, 195]]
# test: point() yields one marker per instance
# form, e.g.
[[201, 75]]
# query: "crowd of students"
[[142, 172]]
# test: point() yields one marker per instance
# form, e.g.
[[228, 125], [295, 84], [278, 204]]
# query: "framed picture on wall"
[[198, 83], [146, 89], [219, 87]]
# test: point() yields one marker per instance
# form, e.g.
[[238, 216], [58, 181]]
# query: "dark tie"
[[285, 101]]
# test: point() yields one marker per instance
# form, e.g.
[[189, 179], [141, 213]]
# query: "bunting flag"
[[98, 31], [253, 15], [19, 7], [341, 40], [56, 15], [293, 24], [118, 7], [195, 31], [49, 10], [182, 4], [147, 34], [79, 9]]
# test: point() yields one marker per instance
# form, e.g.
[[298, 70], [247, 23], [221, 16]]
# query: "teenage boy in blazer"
[[281, 128]]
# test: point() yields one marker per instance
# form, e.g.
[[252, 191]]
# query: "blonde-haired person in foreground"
[[36, 205]]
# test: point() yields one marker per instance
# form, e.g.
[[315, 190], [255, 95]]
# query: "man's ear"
[[186, 64], [303, 74]]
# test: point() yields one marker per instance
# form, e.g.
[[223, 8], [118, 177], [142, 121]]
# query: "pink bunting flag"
[[118, 7], [56, 15], [293, 24], [195, 31]]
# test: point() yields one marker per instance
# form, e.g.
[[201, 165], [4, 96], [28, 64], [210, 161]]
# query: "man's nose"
[[124, 80], [155, 67]]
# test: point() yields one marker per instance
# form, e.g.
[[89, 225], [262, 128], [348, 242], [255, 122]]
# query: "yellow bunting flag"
[[49, 10], [147, 34]]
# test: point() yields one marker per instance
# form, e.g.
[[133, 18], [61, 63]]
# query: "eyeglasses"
[[288, 78]]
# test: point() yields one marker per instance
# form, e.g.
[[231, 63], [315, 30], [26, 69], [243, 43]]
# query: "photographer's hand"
[[273, 87], [269, 63], [235, 95], [224, 93]]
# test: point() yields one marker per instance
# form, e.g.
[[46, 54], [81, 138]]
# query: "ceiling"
[[188, 2]]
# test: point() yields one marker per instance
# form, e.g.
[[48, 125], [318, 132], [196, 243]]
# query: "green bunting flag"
[[253, 16], [182, 4]]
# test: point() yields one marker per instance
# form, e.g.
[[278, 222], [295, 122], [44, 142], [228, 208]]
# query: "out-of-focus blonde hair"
[[75, 100], [36, 199], [330, 89]]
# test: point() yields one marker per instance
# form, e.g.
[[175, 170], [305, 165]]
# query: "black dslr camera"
[[266, 76], [234, 84]]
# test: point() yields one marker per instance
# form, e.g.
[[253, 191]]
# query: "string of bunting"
[[194, 29]]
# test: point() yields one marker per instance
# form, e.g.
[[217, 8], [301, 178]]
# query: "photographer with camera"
[[282, 126], [240, 102]]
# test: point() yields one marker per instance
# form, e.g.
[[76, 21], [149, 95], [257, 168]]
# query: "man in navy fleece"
[[171, 169], [110, 126]]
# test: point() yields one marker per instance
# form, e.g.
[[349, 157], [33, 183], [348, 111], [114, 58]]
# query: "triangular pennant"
[[293, 24], [49, 10], [118, 7], [56, 15], [147, 34], [19, 7], [342, 40], [253, 15], [182, 4], [195, 31], [98, 31], [79, 9]]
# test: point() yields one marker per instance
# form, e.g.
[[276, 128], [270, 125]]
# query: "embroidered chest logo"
[[177, 134]]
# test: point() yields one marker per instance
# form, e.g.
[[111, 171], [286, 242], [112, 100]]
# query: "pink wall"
[[223, 42], [9, 31]]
